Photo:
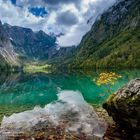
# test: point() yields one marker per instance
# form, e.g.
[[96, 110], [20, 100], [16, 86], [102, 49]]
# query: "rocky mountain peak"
[[30, 44], [6, 49]]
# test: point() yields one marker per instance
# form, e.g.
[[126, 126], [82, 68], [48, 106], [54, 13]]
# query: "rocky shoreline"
[[58, 133], [41, 132], [65, 119]]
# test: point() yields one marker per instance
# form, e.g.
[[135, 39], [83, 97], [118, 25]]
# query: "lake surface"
[[20, 92]]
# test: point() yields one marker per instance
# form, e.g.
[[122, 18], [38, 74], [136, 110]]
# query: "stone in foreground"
[[124, 107]]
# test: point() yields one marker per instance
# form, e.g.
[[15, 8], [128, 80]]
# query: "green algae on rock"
[[124, 107]]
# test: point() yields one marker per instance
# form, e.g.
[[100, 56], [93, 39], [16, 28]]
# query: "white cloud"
[[90, 10], [69, 17], [18, 16]]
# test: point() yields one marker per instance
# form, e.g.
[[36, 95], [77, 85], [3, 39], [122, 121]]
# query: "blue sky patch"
[[13, 1], [38, 11]]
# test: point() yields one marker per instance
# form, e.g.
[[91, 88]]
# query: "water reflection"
[[41, 89]]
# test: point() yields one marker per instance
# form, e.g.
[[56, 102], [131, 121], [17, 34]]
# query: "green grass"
[[37, 68]]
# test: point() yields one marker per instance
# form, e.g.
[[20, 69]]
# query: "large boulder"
[[124, 107]]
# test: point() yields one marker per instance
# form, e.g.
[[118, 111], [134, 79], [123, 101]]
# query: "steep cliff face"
[[29, 44], [7, 53], [113, 40]]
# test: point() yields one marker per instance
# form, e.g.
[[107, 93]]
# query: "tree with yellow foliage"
[[108, 79]]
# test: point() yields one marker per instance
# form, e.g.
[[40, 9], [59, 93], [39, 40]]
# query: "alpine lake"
[[20, 92]]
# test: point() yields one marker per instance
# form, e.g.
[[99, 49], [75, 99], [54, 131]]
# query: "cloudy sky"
[[67, 17]]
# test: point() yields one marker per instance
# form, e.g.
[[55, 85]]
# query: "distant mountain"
[[7, 54], [20, 45], [62, 54], [113, 41], [29, 44]]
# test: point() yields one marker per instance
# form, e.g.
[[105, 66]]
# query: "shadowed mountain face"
[[29, 44], [7, 53], [113, 40]]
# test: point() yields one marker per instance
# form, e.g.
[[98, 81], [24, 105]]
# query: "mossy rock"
[[124, 107]]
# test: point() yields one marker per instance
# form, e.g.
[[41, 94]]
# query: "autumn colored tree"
[[107, 79]]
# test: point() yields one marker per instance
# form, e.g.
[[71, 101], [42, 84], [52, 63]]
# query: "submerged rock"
[[124, 107], [70, 115]]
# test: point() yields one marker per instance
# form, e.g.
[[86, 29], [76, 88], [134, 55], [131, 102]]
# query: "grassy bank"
[[37, 68]]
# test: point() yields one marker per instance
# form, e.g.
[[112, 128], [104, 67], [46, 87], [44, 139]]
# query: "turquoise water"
[[20, 92]]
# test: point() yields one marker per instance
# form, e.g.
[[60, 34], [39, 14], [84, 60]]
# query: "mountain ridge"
[[30, 44], [112, 40]]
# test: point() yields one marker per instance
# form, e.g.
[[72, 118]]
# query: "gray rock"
[[124, 107]]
